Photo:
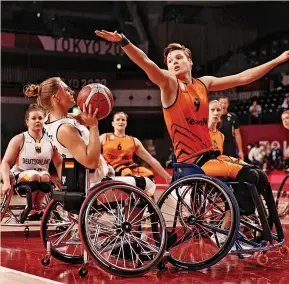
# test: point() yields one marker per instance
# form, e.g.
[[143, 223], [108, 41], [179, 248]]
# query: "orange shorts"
[[133, 171], [223, 166]]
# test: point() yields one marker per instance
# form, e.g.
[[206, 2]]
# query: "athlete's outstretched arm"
[[147, 157], [157, 75], [9, 158], [245, 77]]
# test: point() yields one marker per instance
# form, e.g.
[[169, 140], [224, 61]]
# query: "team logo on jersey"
[[38, 149], [119, 147]]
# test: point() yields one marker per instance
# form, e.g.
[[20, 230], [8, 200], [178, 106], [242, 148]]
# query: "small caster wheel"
[[241, 256], [26, 232], [284, 250], [262, 259], [45, 261], [161, 266], [82, 271]]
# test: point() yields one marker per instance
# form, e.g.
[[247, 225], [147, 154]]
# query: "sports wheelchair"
[[113, 223], [205, 220], [11, 214], [282, 199]]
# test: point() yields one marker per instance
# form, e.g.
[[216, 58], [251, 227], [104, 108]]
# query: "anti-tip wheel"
[[45, 261], [262, 259], [82, 271]]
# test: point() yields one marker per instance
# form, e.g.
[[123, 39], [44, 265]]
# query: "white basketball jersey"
[[51, 129], [34, 155]]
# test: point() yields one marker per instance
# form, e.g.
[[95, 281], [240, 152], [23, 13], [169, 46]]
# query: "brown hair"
[[224, 97], [120, 112], [284, 112], [43, 92], [32, 107], [176, 46]]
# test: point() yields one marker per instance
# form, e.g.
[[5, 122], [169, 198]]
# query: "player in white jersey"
[[31, 151], [71, 138]]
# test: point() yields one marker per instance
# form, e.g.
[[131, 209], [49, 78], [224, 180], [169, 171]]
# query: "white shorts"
[[149, 189], [26, 175]]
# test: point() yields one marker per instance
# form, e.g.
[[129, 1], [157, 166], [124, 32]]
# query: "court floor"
[[20, 263]]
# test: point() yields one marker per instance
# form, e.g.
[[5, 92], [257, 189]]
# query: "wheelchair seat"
[[73, 185], [181, 170]]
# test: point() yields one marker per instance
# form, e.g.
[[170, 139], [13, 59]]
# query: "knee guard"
[[34, 185], [248, 174], [23, 187], [262, 182], [242, 192], [45, 187], [140, 182]]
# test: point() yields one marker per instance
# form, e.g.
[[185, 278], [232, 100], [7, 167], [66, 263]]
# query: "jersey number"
[[197, 103]]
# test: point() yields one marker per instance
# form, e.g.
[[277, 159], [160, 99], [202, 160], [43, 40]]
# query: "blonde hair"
[[284, 112], [219, 123], [176, 46], [43, 92]]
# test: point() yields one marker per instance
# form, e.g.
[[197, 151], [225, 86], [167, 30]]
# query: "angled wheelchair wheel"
[[282, 200], [6, 198], [59, 233], [202, 218], [122, 229]]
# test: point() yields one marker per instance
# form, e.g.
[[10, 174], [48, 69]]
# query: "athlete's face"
[[215, 112], [35, 120], [119, 122], [178, 63], [285, 120], [65, 96], [225, 104]]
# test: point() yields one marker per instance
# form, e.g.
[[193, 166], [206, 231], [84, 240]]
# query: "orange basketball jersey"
[[187, 121], [118, 150], [217, 140]]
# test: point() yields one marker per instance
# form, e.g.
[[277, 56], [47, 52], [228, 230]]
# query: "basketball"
[[99, 96]]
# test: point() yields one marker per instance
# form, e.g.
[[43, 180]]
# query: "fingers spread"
[[83, 108], [95, 112]]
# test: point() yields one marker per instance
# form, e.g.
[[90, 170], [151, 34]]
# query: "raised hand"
[[109, 36], [88, 117], [283, 57]]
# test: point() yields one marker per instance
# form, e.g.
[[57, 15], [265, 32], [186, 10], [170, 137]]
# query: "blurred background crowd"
[[42, 39]]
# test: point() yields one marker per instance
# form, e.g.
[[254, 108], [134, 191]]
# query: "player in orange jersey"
[[118, 150], [185, 105]]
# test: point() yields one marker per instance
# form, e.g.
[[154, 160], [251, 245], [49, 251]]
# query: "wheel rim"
[[195, 215], [120, 234], [61, 230]]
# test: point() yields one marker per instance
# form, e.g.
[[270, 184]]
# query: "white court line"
[[14, 276]]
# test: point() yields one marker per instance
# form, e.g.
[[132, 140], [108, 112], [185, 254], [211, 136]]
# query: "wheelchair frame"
[[86, 248], [13, 219], [271, 240], [283, 211]]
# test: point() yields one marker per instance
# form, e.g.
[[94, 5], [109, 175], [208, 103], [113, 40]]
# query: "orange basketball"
[[99, 96]]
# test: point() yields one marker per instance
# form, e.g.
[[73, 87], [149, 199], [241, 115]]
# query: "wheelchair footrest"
[[71, 201]]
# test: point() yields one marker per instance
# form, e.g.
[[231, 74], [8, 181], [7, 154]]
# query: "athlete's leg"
[[142, 171]]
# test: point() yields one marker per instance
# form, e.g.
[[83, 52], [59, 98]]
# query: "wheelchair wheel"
[[282, 200], [202, 218], [6, 198], [122, 229], [59, 233]]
